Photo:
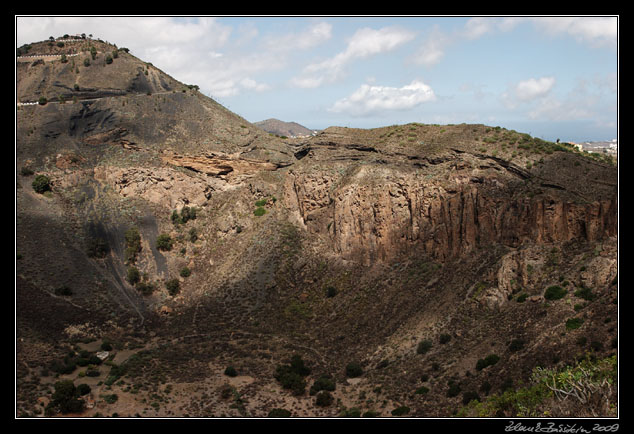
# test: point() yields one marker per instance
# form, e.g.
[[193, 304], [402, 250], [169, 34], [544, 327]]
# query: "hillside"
[[404, 270], [281, 128]]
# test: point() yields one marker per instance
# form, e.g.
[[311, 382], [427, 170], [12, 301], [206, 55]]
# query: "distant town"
[[604, 147]]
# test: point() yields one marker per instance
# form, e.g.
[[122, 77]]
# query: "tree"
[[65, 397], [41, 184], [164, 242]]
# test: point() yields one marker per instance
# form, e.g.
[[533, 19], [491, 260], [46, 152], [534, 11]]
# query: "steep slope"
[[413, 251]]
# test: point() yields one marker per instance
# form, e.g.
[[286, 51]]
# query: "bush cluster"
[[173, 286], [489, 360], [186, 214], [324, 382], [65, 399], [292, 376], [164, 242]]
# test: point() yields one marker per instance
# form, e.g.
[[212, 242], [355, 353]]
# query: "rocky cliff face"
[[379, 213]]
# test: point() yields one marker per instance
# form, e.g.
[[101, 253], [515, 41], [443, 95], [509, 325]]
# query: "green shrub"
[[164, 242], [353, 370], [42, 101], [108, 59], [133, 276], [230, 371], [422, 390], [324, 399], [279, 412], [322, 383], [145, 288], [331, 291], [185, 272], [573, 323], [423, 347], [133, 244], [111, 398], [173, 286], [298, 365], [26, 171], [290, 380], [186, 214], [489, 360], [400, 411], [554, 292], [350, 412], [41, 184], [259, 211], [260, 203], [444, 338], [585, 293], [454, 389]]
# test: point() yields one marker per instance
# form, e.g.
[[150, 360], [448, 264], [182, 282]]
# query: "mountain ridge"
[[189, 241], [282, 128]]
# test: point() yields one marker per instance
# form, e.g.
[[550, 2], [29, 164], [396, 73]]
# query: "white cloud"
[[314, 35], [434, 46], [527, 90], [433, 49], [532, 88], [364, 43], [369, 100], [596, 31]]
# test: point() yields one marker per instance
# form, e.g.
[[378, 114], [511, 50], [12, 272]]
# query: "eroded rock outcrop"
[[378, 213], [218, 165], [163, 186]]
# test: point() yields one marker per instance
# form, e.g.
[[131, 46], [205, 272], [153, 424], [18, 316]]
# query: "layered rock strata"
[[369, 221]]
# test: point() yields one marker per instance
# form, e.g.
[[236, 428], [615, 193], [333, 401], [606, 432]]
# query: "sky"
[[553, 77]]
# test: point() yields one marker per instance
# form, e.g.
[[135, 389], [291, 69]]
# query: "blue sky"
[[549, 76]]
